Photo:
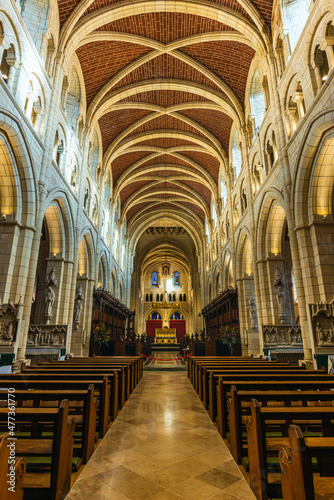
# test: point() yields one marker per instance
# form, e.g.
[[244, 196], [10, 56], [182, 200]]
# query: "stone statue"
[[86, 198], [52, 279], [253, 313], [49, 301], [78, 306]]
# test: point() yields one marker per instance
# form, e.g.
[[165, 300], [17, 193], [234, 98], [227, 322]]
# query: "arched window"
[[214, 213], [180, 297], [174, 297], [223, 192], [165, 270], [207, 230], [94, 155], [257, 100], [147, 297], [155, 278], [236, 156], [157, 297], [151, 297], [184, 298], [73, 100], [295, 14], [155, 315], [177, 280], [177, 315]]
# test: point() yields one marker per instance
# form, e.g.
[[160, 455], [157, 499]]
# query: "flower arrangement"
[[227, 335], [101, 335]]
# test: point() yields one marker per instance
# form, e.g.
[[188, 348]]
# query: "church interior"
[[167, 249]]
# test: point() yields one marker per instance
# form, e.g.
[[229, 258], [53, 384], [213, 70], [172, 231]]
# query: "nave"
[[162, 446]]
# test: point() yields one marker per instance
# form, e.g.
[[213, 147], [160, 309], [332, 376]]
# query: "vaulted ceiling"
[[165, 80]]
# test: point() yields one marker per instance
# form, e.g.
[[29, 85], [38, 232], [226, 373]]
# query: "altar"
[[165, 336]]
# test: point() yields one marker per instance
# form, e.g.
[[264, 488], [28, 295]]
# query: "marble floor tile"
[[162, 446]]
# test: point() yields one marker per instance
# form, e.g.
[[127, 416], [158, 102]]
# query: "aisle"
[[163, 446], [165, 360]]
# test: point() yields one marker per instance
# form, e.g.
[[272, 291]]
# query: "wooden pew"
[[61, 378], [116, 377], [84, 415], [201, 375], [298, 481], [211, 379], [129, 374], [237, 360], [224, 388], [12, 470], [136, 360], [101, 386], [236, 410], [56, 483], [203, 370], [259, 446]]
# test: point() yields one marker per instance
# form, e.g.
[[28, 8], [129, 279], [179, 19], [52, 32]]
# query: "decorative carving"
[[322, 315], [280, 295], [9, 314], [49, 301], [47, 336], [52, 279], [166, 230], [282, 336], [253, 313], [78, 306]]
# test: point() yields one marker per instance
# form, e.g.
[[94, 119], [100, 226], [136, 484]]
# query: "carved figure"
[[52, 279], [253, 313], [86, 198], [78, 306], [49, 302]]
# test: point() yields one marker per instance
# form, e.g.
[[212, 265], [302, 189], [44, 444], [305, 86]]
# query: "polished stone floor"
[[162, 446]]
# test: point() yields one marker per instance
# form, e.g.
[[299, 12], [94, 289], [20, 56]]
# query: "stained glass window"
[[165, 270], [176, 278], [155, 315], [154, 278], [177, 315]]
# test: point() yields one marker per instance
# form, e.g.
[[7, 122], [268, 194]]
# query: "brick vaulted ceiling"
[[165, 82]]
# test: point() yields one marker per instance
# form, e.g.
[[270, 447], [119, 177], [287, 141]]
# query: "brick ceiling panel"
[[65, 7], [165, 159], [166, 142], [98, 66], [165, 27], [264, 6], [196, 208], [166, 122], [165, 67], [134, 210], [165, 97], [217, 123], [111, 124], [224, 59], [167, 185], [207, 161], [197, 186], [124, 161], [131, 188], [165, 172]]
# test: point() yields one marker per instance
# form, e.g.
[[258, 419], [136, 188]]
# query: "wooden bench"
[[260, 446], [298, 481], [137, 361], [237, 410], [203, 371], [193, 360], [101, 387], [55, 483], [129, 379], [265, 373], [82, 409], [116, 377], [12, 471], [224, 388]]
